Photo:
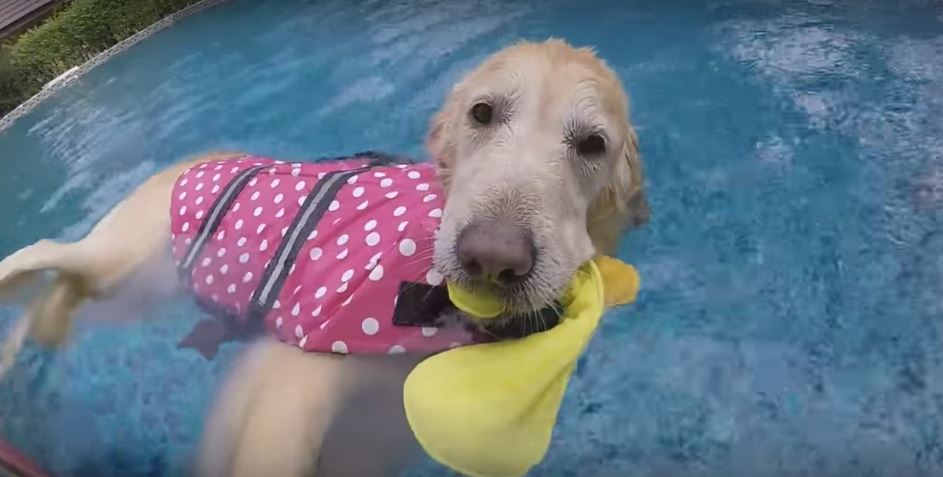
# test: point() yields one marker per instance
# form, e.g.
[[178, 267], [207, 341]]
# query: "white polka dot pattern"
[[407, 247], [376, 234]]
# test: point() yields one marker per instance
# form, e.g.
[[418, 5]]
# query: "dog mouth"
[[528, 306], [520, 325], [519, 298], [507, 259]]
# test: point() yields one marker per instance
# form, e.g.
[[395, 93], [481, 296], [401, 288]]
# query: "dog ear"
[[438, 144], [632, 195], [440, 140], [622, 203]]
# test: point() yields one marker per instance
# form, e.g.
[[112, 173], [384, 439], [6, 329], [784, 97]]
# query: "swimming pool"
[[790, 320]]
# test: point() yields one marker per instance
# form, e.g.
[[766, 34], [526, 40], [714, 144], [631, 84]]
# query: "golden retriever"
[[541, 171]]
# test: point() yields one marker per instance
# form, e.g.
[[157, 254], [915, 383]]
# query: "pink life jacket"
[[332, 256]]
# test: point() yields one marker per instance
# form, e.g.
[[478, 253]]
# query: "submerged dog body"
[[539, 170]]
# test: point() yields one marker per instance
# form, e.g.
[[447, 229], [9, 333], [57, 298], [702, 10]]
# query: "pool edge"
[[66, 78]]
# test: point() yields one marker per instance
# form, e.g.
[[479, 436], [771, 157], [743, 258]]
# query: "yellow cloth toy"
[[489, 410]]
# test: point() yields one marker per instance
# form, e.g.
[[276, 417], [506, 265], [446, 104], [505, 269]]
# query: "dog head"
[[541, 169]]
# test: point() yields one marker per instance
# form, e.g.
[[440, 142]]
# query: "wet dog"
[[540, 169]]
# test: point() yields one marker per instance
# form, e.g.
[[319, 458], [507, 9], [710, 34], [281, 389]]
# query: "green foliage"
[[10, 94], [71, 37]]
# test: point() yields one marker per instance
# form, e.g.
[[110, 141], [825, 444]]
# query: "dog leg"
[[272, 414], [224, 424], [369, 436], [134, 232]]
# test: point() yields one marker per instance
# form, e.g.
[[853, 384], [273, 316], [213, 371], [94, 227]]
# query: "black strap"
[[420, 304], [376, 158], [215, 216]]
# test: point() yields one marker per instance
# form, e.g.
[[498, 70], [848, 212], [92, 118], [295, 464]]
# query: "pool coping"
[[70, 75]]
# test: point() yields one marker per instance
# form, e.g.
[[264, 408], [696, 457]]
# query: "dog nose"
[[497, 252]]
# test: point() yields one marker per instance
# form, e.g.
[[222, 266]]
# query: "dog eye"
[[482, 113], [592, 145]]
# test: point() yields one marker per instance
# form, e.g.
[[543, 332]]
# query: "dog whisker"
[[417, 259]]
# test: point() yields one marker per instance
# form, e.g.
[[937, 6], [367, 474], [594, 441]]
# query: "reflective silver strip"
[[209, 226], [324, 187]]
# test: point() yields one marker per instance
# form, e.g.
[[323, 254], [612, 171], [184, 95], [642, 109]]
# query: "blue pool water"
[[791, 319]]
